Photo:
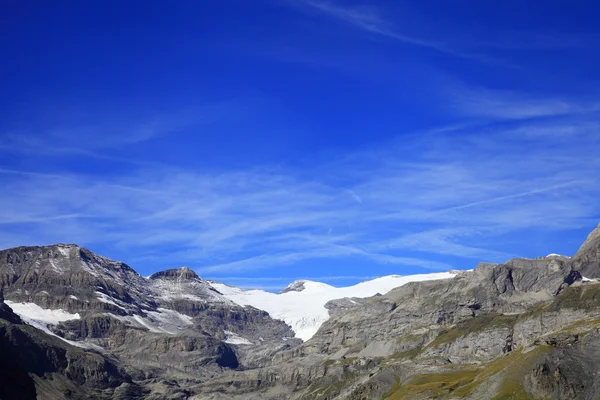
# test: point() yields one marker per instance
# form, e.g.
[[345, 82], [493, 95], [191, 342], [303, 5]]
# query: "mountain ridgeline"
[[77, 325]]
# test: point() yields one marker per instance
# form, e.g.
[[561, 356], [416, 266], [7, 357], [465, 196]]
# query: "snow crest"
[[305, 310], [556, 255]]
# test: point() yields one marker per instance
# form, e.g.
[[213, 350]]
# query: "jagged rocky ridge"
[[525, 329], [168, 331]]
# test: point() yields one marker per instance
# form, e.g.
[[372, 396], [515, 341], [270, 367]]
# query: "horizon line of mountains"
[[74, 324]]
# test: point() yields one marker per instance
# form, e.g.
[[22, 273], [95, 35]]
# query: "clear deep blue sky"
[[264, 141]]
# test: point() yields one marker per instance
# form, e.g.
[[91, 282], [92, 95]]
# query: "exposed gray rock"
[[296, 286], [530, 325], [587, 259]]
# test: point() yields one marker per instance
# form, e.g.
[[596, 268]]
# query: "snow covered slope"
[[302, 304]]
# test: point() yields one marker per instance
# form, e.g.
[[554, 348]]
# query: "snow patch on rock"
[[42, 318], [104, 298], [233, 338], [33, 312], [556, 255], [55, 267], [65, 251], [86, 267], [191, 290], [161, 321]]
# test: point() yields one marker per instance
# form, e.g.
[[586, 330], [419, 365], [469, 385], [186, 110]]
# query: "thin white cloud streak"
[[443, 241], [477, 102], [28, 173], [514, 196], [471, 45], [20, 220], [531, 40], [370, 19], [98, 138]]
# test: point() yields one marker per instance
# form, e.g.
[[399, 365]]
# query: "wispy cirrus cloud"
[[459, 194], [450, 191], [369, 19], [515, 195], [477, 45], [97, 136], [266, 261], [531, 40], [502, 105], [482, 103]]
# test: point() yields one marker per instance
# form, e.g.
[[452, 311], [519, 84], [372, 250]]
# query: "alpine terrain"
[[75, 325]]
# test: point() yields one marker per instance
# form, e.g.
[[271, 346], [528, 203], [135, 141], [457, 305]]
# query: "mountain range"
[[74, 324]]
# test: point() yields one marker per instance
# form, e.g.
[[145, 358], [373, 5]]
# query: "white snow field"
[[41, 318], [305, 310], [38, 316]]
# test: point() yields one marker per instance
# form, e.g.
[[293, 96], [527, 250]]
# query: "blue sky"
[[264, 141]]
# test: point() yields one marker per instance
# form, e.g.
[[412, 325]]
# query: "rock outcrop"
[[587, 258]]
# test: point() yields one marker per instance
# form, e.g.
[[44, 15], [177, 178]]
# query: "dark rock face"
[[29, 356], [15, 382], [7, 314], [561, 375]]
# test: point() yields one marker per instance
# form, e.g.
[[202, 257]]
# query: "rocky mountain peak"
[[67, 245], [595, 234], [296, 286], [587, 258], [178, 274]]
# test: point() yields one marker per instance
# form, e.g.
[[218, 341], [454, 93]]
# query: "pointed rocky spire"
[[587, 259], [591, 238]]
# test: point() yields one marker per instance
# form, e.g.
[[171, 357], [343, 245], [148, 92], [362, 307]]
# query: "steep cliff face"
[[587, 258]]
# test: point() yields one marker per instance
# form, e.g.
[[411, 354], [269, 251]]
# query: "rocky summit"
[[76, 325]]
